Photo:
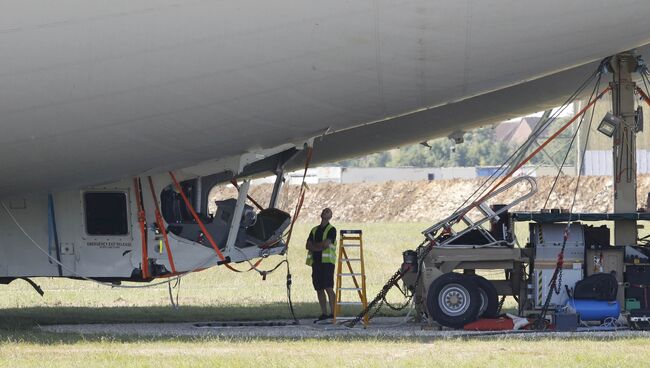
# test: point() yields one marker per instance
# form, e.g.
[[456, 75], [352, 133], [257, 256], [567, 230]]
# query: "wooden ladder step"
[[350, 266]]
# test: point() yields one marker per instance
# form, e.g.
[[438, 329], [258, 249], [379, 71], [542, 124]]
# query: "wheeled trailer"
[[444, 272]]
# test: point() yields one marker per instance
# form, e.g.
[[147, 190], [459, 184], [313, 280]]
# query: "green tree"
[[480, 148]]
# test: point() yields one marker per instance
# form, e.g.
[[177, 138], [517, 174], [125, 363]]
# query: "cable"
[[264, 273], [644, 78], [584, 151], [582, 118], [556, 279], [289, 282], [253, 267], [527, 144], [380, 299], [177, 287], [75, 274]]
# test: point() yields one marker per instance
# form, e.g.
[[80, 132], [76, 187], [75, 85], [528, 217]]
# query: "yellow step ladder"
[[350, 253]]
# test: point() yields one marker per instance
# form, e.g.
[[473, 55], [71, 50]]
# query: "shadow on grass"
[[17, 324], [16, 319], [23, 318]]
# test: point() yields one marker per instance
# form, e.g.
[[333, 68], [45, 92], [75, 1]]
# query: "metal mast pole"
[[624, 148]]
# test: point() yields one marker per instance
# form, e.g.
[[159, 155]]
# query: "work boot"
[[321, 318]]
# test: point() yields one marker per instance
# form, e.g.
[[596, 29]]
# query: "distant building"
[[598, 158], [515, 132], [382, 174], [334, 174]]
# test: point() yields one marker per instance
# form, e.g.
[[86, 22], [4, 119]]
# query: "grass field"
[[51, 351], [218, 294]]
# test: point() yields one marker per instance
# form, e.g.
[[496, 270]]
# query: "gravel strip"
[[381, 327]]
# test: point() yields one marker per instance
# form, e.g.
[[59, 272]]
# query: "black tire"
[[453, 300], [489, 298]]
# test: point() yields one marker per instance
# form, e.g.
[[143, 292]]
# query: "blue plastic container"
[[594, 310]]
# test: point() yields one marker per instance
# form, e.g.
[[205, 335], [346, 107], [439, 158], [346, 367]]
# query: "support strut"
[[624, 146], [277, 185]]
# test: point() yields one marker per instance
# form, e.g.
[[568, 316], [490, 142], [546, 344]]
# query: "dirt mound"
[[432, 200]]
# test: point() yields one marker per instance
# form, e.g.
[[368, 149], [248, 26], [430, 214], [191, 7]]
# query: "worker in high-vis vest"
[[321, 256]]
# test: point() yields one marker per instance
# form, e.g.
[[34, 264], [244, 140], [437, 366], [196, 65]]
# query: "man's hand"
[[318, 247], [310, 246]]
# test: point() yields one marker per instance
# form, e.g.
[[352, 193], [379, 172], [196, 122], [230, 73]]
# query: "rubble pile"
[[411, 201]]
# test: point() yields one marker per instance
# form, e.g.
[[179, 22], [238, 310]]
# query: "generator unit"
[[547, 240]]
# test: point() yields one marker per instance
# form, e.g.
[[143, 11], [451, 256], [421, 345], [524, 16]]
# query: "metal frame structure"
[[441, 256]]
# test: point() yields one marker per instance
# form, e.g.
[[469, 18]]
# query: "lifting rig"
[[441, 274]]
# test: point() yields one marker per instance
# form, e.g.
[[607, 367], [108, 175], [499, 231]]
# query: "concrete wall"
[[316, 175], [601, 142], [382, 174], [599, 162]]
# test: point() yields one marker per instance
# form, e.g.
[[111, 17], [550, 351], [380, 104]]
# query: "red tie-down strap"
[[161, 226], [143, 231], [207, 235]]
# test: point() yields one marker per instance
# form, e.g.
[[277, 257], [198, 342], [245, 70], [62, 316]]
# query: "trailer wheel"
[[489, 298], [453, 300]]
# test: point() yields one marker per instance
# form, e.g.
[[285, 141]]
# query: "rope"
[[259, 206], [207, 234], [178, 276], [593, 92], [544, 144], [137, 187], [500, 307], [528, 143], [299, 204], [301, 196], [643, 95], [380, 299], [75, 274], [644, 78], [301, 199], [556, 280], [520, 164], [289, 282], [161, 226], [210, 239], [53, 233], [177, 287]]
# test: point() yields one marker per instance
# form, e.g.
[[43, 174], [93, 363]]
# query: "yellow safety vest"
[[329, 254]]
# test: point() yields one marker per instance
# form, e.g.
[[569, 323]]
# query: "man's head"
[[326, 214]]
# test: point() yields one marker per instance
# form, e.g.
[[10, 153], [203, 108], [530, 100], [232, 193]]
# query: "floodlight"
[[609, 124]]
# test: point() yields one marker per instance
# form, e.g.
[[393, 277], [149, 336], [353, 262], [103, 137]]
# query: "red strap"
[[207, 235], [301, 197], [541, 146], [143, 231], [301, 200], [644, 97], [202, 226], [259, 207], [161, 226]]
